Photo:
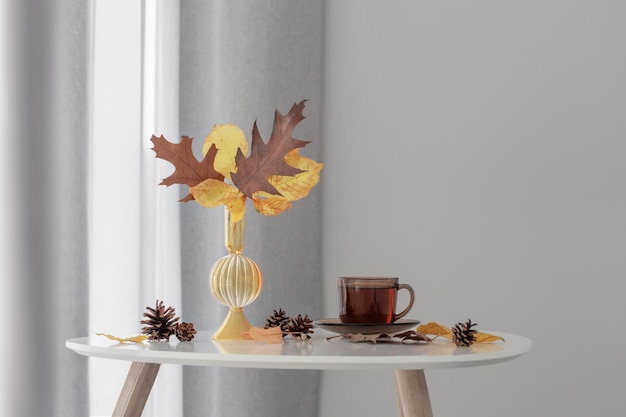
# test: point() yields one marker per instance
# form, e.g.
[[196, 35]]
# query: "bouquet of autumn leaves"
[[273, 174]]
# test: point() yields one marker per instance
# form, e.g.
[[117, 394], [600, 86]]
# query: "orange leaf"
[[435, 329], [268, 204], [271, 335]]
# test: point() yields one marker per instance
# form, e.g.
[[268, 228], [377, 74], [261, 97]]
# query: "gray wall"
[[476, 150]]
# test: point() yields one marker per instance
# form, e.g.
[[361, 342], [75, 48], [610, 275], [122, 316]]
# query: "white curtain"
[[94, 239], [239, 61], [45, 88]]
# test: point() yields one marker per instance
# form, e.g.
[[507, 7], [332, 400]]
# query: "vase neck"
[[234, 233]]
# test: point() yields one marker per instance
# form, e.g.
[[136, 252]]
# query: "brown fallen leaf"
[[357, 337], [411, 336], [404, 337], [270, 335]]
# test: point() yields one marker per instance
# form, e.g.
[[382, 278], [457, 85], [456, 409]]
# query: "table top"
[[338, 353]]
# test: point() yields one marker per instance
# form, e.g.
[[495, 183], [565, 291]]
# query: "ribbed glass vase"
[[235, 281]]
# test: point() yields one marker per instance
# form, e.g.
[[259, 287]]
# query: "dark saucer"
[[336, 326]]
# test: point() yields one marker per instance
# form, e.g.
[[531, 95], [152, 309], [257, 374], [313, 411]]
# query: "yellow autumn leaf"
[[435, 329], [443, 331], [486, 338], [268, 204], [227, 139], [132, 339], [271, 335], [237, 208], [298, 186], [212, 193]]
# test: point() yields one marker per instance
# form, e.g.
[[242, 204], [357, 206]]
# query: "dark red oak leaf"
[[188, 170], [268, 159]]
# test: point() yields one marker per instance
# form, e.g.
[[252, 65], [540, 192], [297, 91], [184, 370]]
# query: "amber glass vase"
[[235, 281]]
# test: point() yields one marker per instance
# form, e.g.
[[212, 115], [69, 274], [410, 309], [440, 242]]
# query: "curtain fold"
[[49, 99], [69, 174], [160, 270], [240, 61]]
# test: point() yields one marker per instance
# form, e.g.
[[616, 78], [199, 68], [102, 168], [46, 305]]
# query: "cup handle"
[[412, 294]]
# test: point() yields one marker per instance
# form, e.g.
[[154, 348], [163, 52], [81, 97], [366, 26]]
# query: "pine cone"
[[301, 327], [278, 319], [160, 322], [463, 335], [184, 331]]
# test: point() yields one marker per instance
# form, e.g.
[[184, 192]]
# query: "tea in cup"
[[370, 299]]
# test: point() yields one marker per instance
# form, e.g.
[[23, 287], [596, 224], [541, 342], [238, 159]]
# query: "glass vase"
[[235, 281]]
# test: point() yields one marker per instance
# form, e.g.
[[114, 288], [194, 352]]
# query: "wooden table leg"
[[413, 399], [400, 412], [136, 389]]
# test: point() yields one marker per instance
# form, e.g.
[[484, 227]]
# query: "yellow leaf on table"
[[443, 331], [298, 186], [212, 193], [486, 338], [227, 139], [268, 204], [271, 335], [435, 329], [132, 339]]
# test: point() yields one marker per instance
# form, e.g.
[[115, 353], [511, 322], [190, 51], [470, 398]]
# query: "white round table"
[[407, 360]]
